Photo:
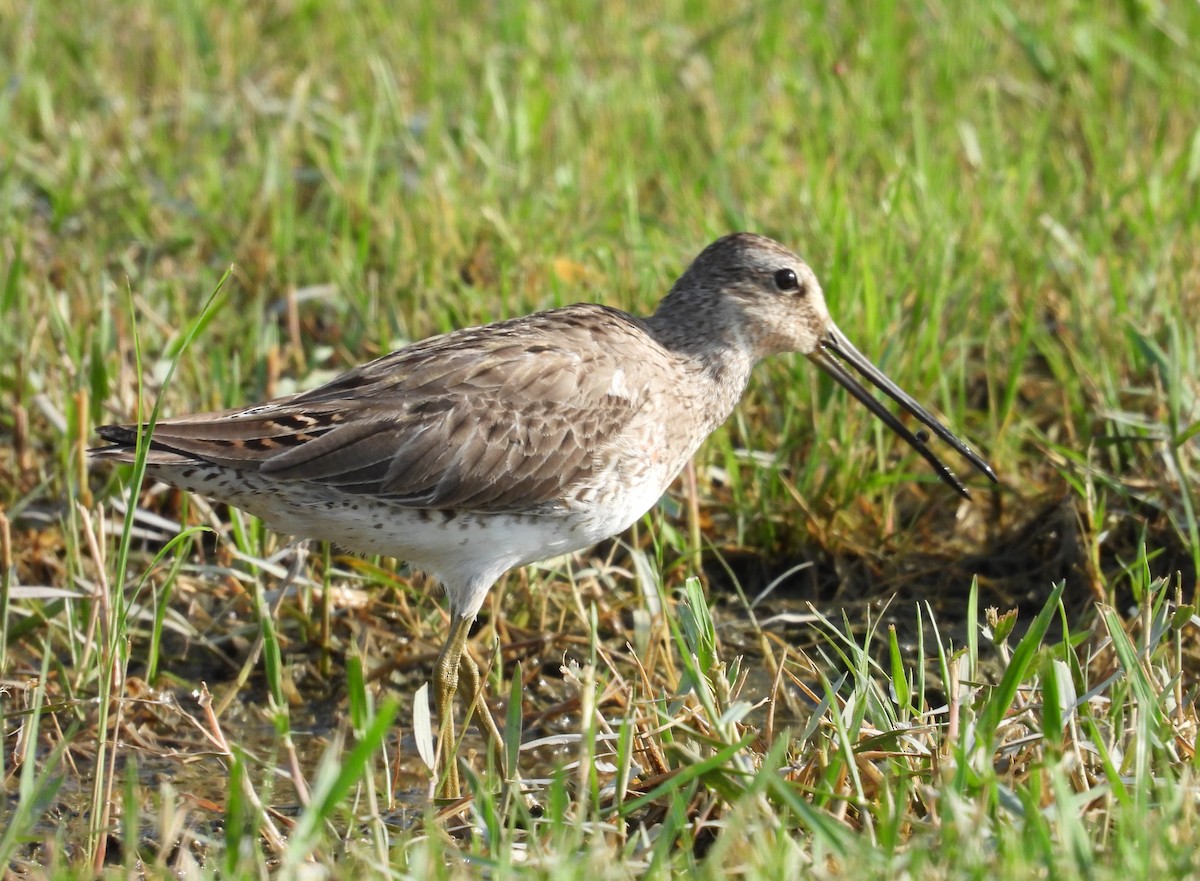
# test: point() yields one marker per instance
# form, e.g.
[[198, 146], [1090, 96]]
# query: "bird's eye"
[[785, 280]]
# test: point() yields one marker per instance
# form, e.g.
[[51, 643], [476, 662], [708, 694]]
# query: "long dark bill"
[[834, 343]]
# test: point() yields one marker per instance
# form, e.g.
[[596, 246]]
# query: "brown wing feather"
[[501, 418]]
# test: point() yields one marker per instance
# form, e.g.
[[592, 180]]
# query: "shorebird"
[[491, 447]]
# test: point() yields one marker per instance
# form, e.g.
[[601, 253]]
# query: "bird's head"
[[750, 292]]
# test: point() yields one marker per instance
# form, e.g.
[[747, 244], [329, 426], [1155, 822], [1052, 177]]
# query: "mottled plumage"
[[472, 452]]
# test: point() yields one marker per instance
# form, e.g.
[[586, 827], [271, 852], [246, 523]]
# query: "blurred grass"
[[1003, 203]]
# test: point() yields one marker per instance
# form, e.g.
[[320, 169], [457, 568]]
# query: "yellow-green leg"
[[452, 662], [469, 669]]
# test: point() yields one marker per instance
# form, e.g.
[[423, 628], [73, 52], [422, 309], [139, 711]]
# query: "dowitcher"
[[491, 447]]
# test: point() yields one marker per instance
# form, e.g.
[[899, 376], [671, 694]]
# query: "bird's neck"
[[712, 348]]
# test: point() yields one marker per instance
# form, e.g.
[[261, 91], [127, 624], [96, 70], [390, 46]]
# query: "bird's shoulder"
[[563, 355]]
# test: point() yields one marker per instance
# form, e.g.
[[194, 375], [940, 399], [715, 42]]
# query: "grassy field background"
[[1003, 203]]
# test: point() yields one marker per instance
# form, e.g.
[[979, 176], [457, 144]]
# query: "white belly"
[[465, 551]]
